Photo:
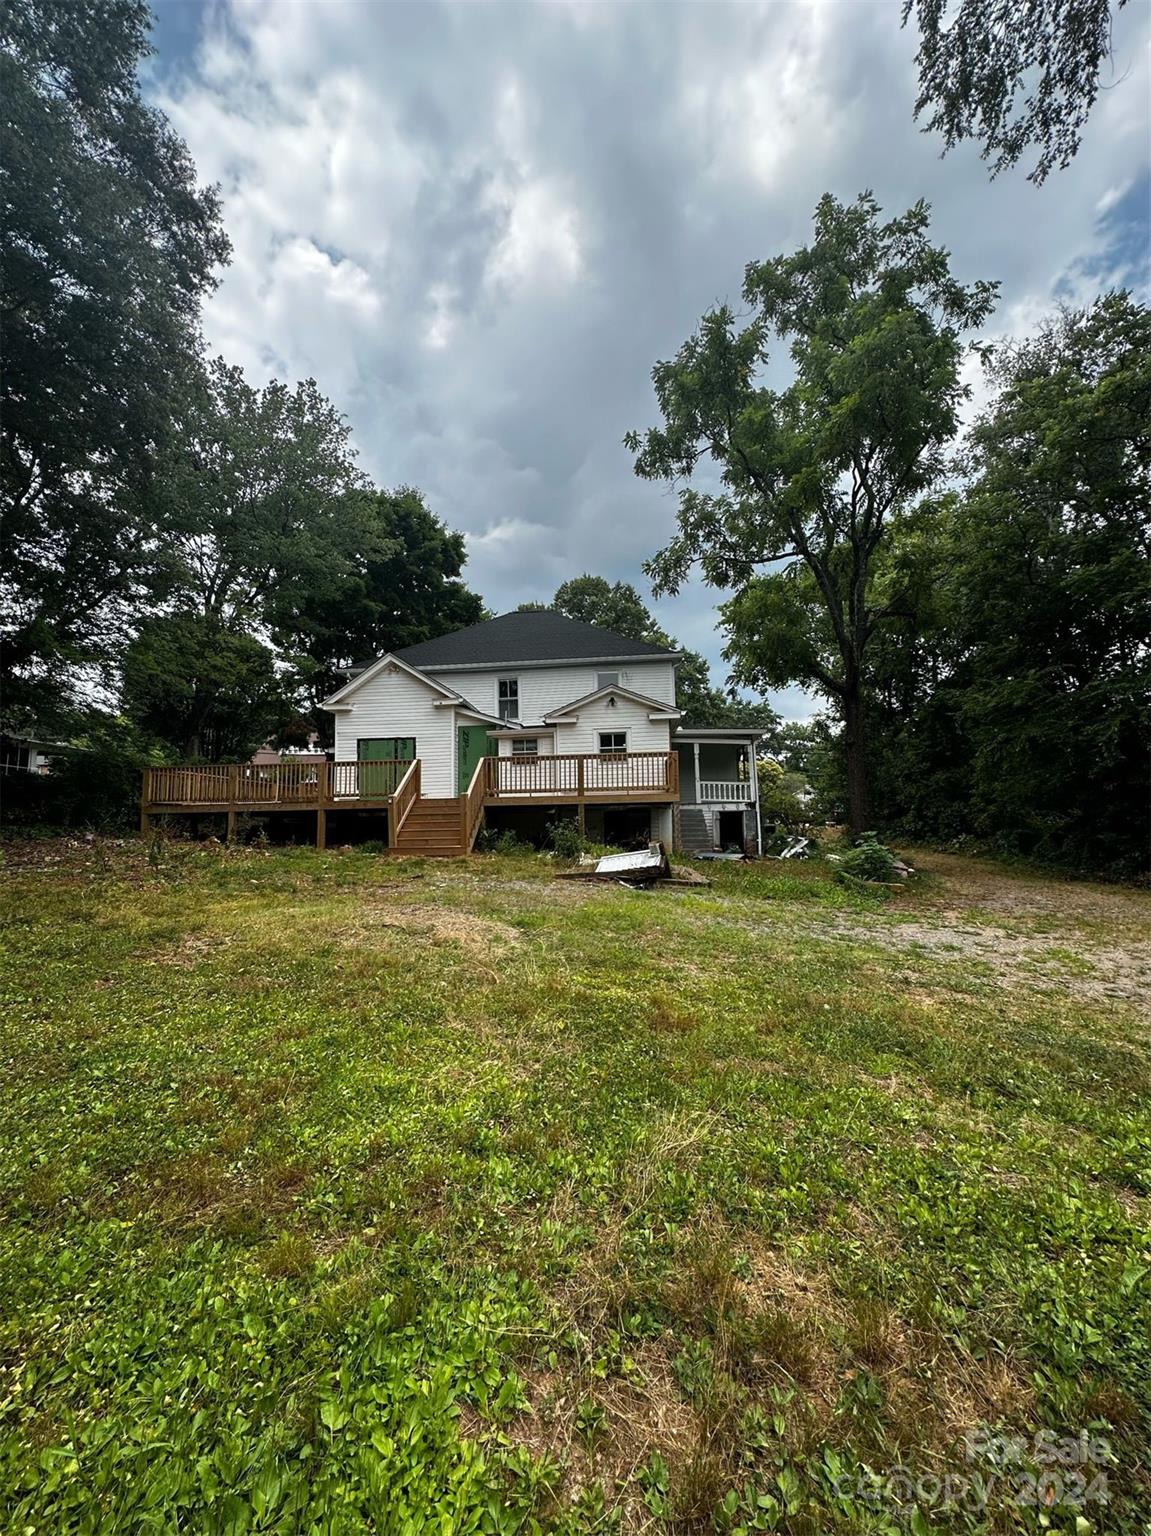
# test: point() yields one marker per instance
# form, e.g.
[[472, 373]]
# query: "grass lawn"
[[349, 1194]]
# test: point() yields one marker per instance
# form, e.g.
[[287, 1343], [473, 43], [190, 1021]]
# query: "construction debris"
[[646, 868]]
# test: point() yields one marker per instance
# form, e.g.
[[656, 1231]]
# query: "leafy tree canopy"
[[203, 687], [262, 503], [1011, 694], [1017, 77], [109, 248], [809, 475], [402, 586]]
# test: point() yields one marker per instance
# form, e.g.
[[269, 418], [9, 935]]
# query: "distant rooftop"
[[535, 635]]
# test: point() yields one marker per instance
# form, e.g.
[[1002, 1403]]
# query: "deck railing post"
[[580, 775], [324, 782]]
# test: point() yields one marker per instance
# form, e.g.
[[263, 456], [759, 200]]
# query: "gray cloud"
[[479, 226]]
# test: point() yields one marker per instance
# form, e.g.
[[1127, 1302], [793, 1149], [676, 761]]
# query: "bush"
[[565, 837], [94, 783], [869, 860]]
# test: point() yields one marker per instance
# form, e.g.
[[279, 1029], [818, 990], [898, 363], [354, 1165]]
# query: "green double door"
[[387, 751], [472, 746]]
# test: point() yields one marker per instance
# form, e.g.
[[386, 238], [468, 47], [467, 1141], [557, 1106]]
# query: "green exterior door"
[[376, 783], [473, 744]]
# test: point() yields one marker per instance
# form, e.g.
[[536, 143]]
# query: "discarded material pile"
[[649, 867]]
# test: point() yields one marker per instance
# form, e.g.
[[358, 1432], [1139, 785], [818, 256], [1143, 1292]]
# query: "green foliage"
[[812, 474], [869, 859], [205, 688], [261, 499], [1016, 79], [504, 841], [109, 247], [779, 791], [1010, 695], [565, 838], [400, 586], [94, 783]]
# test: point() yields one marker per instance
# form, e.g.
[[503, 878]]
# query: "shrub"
[[565, 837], [869, 860]]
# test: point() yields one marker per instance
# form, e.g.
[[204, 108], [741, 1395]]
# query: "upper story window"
[[613, 741], [508, 695], [525, 746], [607, 679]]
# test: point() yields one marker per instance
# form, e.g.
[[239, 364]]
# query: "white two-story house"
[[517, 718], [512, 722]]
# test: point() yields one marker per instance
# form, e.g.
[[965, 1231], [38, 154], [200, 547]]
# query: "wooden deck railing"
[[282, 783], [472, 804], [580, 775], [374, 780], [406, 794]]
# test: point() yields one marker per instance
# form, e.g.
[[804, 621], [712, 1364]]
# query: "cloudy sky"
[[477, 225]]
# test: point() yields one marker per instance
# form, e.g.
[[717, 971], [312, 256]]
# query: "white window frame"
[[525, 746], [608, 679], [512, 700], [612, 751]]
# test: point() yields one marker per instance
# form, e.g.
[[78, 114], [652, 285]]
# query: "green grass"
[[349, 1194]]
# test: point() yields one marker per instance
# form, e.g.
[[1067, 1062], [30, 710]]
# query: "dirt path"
[[1036, 932]]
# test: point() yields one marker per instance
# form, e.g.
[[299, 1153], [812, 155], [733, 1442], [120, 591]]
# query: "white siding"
[[543, 689], [397, 704], [643, 735]]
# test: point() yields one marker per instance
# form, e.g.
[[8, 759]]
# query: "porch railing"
[[282, 783], [579, 775], [406, 794], [368, 780], [472, 806], [738, 790]]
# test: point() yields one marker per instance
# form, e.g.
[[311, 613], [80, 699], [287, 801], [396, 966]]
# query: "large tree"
[[809, 475], [203, 687], [261, 501], [402, 586], [1013, 691], [109, 248], [1017, 75]]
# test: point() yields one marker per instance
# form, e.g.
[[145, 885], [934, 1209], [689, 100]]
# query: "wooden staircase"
[[433, 829]]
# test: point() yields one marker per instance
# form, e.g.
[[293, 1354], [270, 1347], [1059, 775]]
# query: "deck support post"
[[230, 835], [145, 822], [581, 812], [321, 827]]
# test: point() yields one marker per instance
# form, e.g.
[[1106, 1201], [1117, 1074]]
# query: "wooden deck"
[[578, 779], [582, 777]]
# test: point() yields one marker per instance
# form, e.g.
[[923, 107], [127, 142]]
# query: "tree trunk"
[[855, 756]]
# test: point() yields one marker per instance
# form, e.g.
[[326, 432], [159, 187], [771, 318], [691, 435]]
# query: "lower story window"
[[613, 742], [526, 746]]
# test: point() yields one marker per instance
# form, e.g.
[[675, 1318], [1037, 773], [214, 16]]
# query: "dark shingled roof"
[[535, 635]]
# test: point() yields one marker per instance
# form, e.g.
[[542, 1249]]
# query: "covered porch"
[[719, 788]]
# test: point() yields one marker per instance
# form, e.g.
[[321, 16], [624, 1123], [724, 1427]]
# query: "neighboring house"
[[20, 754], [571, 713], [512, 722]]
